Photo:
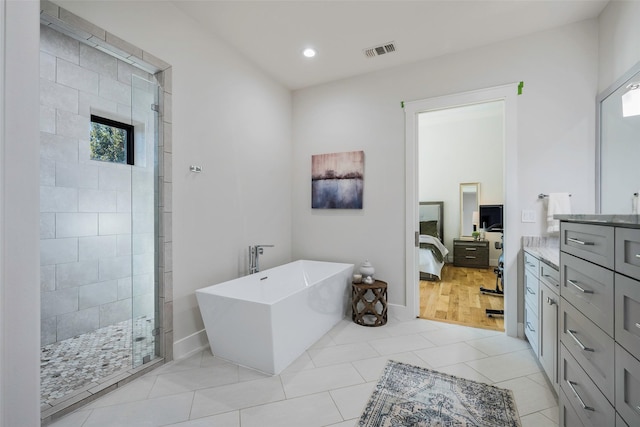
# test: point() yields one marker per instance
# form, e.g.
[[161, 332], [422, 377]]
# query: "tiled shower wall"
[[94, 251]]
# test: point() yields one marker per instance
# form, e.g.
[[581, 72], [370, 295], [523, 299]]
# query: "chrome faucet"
[[254, 254]]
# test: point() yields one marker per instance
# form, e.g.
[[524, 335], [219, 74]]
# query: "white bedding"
[[428, 263]]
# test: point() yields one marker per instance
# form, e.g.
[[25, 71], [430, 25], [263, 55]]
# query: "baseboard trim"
[[189, 345], [400, 312]]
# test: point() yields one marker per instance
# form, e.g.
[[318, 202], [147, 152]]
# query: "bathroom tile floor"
[[71, 365], [327, 386]]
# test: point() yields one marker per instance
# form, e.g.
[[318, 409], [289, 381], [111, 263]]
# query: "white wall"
[[235, 122], [619, 40], [555, 139], [19, 226]]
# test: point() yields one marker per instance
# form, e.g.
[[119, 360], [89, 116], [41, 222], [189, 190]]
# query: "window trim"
[[129, 151]]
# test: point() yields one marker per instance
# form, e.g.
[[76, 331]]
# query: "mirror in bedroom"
[[469, 201], [617, 151]]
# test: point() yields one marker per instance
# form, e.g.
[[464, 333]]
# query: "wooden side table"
[[369, 303]]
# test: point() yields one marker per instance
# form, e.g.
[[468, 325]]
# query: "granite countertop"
[[631, 221], [549, 255]]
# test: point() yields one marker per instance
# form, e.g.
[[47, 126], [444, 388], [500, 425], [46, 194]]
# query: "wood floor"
[[456, 298]]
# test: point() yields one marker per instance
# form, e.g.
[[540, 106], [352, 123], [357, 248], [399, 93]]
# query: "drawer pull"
[[529, 327], [637, 255], [470, 249], [638, 325], [530, 264], [550, 301], [570, 332], [580, 242], [530, 291], [578, 287], [550, 278], [571, 384], [470, 257]]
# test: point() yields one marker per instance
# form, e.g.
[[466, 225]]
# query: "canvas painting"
[[337, 180]]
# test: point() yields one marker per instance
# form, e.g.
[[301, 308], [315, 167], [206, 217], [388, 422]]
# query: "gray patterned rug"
[[407, 395]]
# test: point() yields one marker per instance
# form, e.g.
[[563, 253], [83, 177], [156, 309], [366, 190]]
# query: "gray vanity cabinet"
[[599, 330], [541, 282]]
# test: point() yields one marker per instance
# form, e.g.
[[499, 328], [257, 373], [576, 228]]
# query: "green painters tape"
[[520, 86]]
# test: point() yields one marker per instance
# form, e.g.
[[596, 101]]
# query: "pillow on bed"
[[429, 228]]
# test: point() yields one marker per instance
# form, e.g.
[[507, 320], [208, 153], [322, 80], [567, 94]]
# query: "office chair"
[[499, 290]]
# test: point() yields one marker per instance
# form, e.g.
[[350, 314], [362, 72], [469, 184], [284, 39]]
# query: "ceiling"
[[272, 34]]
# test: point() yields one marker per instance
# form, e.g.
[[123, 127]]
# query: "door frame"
[[508, 93]]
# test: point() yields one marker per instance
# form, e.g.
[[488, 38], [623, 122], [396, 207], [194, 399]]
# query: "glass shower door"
[[144, 245]]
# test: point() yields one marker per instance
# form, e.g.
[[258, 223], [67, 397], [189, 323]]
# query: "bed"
[[432, 252]]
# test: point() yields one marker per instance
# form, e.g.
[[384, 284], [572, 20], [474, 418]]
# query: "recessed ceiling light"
[[309, 53]]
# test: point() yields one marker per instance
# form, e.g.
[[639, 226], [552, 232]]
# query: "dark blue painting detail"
[[337, 180]]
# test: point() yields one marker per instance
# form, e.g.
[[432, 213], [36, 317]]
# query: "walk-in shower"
[[102, 233]]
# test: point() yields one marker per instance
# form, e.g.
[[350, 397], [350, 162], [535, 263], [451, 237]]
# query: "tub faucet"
[[254, 254]]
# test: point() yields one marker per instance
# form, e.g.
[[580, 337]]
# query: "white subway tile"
[[77, 77], [47, 278], [47, 66], [96, 201], [76, 175], [58, 302], [56, 251], [114, 223], [143, 222], [115, 178], [96, 247], [74, 274], [167, 197], [115, 268], [124, 245], [143, 243], [76, 224], [115, 91], [58, 199], [167, 129], [72, 125], [57, 44], [47, 226], [89, 104], [124, 288], [124, 201], [47, 331], [143, 264], [98, 61], [47, 119], [58, 148], [144, 306], [142, 284], [96, 294], [115, 312], [47, 172], [78, 322], [58, 96]]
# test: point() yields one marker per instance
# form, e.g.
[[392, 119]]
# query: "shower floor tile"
[[68, 367]]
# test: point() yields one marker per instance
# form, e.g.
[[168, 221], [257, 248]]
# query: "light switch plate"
[[528, 216]]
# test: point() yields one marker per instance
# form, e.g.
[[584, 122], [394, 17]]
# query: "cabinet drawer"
[[590, 405], [627, 303], [568, 415], [628, 252], [548, 348], [531, 290], [589, 288], [531, 327], [550, 275], [627, 386], [591, 242], [590, 346], [531, 263], [474, 260]]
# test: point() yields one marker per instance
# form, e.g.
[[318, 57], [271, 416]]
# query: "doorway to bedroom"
[[460, 171]]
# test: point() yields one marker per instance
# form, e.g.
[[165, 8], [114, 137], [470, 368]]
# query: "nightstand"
[[471, 253]]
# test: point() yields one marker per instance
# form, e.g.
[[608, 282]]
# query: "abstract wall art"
[[337, 180]]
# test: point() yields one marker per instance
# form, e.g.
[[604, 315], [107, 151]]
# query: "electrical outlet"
[[528, 216]]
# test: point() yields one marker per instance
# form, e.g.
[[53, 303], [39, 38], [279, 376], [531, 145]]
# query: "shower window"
[[111, 141]]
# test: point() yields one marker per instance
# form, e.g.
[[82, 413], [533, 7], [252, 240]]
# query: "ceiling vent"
[[379, 50]]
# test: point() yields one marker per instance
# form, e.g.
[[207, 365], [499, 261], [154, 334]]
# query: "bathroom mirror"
[[618, 146], [469, 201]]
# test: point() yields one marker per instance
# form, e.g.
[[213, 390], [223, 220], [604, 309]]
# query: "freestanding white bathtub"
[[267, 320]]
